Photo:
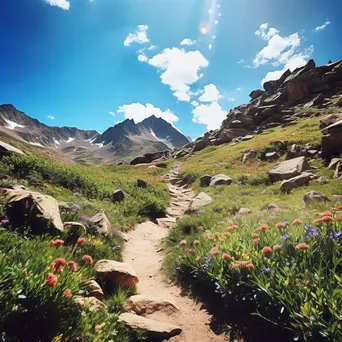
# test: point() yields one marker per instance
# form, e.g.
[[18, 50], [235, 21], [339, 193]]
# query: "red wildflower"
[[324, 213], [72, 265], [255, 241], [297, 222], [87, 259], [317, 221], [81, 241], [214, 251], [280, 225], [196, 243], [58, 265], [183, 243], [57, 243], [67, 293], [250, 266], [276, 248], [262, 228], [51, 280], [266, 250], [339, 217], [233, 227], [255, 235], [225, 256], [302, 246], [327, 219]]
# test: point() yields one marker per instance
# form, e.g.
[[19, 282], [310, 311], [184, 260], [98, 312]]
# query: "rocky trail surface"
[[144, 252]]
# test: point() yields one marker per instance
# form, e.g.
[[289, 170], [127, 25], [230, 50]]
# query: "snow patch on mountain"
[[12, 125]]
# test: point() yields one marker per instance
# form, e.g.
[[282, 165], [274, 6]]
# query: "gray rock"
[[323, 180], [315, 197], [256, 93], [247, 137], [250, 155], [200, 145], [94, 290], [337, 198], [118, 196], [315, 102], [221, 180], [91, 304], [201, 200], [141, 184], [101, 222], [272, 156], [272, 207], [120, 273], [152, 328], [205, 181], [139, 160], [288, 169], [75, 227], [295, 182], [244, 211], [7, 149]]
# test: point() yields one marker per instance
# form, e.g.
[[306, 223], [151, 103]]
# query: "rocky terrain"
[[122, 142]]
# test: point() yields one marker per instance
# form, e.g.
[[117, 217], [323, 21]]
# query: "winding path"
[[144, 252]]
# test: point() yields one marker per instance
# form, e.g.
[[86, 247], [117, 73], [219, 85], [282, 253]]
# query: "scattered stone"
[[331, 140], [256, 93], [200, 145], [315, 102], [244, 211], [32, 209], [247, 137], [141, 184], [146, 305], [153, 329], [295, 182], [323, 180], [118, 196], [271, 156], [337, 198], [250, 155], [75, 227], [7, 149], [101, 222], [272, 207], [118, 272], [338, 170], [90, 304], [94, 290], [334, 162], [314, 197], [221, 180], [205, 181], [201, 200]]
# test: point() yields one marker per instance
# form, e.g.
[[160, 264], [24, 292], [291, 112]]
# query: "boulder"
[[295, 182], [200, 145], [334, 162], [146, 305], [247, 137], [316, 101], [322, 180], [272, 207], [118, 196], [205, 181], [244, 211], [101, 223], [90, 304], [76, 227], [337, 198], [315, 197], [271, 156], [119, 273], [277, 98], [221, 180], [331, 141], [256, 93], [297, 90], [7, 149], [293, 152], [152, 328], [338, 170], [94, 290], [64, 207], [141, 184], [339, 103], [250, 155], [32, 209], [288, 169], [201, 200], [139, 160]]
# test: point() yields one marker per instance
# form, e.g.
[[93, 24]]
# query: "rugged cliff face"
[[121, 142]]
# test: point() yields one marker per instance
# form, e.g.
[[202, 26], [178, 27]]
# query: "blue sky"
[[91, 64]]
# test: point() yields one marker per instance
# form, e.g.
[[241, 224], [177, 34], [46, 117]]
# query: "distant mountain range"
[[122, 142]]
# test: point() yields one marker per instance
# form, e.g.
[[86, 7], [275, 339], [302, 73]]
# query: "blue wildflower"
[[337, 236], [266, 270], [76, 207], [206, 264], [286, 223], [286, 237], [311, 231]]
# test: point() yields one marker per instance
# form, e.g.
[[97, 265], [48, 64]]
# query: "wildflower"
[[35, 201], [302, 246], [255, 241], [196, 243], [189, 250], [277, 248], [84, 218], [337, 236], [117, 231], [216, 234], [201, 228], [311, 231], [262, 228], [214, 251], [317, 221], [250, 266], [26, 204], [57, 243], [266, 250], [307, 282], [81, 241], [198, 259], [51, 280], [87, 259], [225, 256], [280, 225], [286, 237], [226, 234], [297, 222], [339, 217], [221, 240], [231, 228], [210, 238], [266, 270], [183, 243], [324, 213], [5, 220], [206, 264], [76, 207], [327, 219], [67, 293], [72, 265], [58, 265], [255, 235], [99, 327]]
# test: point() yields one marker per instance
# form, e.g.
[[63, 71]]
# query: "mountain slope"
[[121, 142]]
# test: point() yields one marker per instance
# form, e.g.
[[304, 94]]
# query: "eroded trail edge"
[[144, 252]]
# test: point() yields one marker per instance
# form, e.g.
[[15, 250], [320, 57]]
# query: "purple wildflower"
[[76, 207], [117, 231], [84, 218], [206, 264], [286, 237], [337, 236], [238, 216], [35, 201], [266, 270], [5, 220], [286, 223]]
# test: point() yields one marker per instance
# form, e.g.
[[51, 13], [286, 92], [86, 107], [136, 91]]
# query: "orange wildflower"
[[67, 293], [196, 243], [214, 251], [255, 235], [339, 217], [231, 228], [280, 225], [210, 238], [297, 222], [255, 241], [324, 213], [262, 228], [266, 250], [317, 221], [87, 259], [58, 265], [72, 265], [302, 246], [216, 234], [227, 234], [276, 248], [183, 243], [225, 256], [327, 219], [81, 241], [250, 266], [57, 243], [198, 258], [221, 240], [51, 280]]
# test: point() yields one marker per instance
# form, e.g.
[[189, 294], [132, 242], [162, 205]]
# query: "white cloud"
[[210, 94], [142, 58], [64, 4], [239, 89], [322, 27], [264, 34], [139, 112], [295, 61], [187, 41], [195, 103], [180, 70], [210, 115], [240, 61], [51, 117], [152, 47], [112, 113], [231, 99], [139, 36]]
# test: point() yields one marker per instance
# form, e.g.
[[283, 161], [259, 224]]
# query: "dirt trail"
[[143, 252]]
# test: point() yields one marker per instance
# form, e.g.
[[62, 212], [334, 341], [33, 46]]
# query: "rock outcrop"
[[221, 180], [101, 223], [7, 149], [146, 305]]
